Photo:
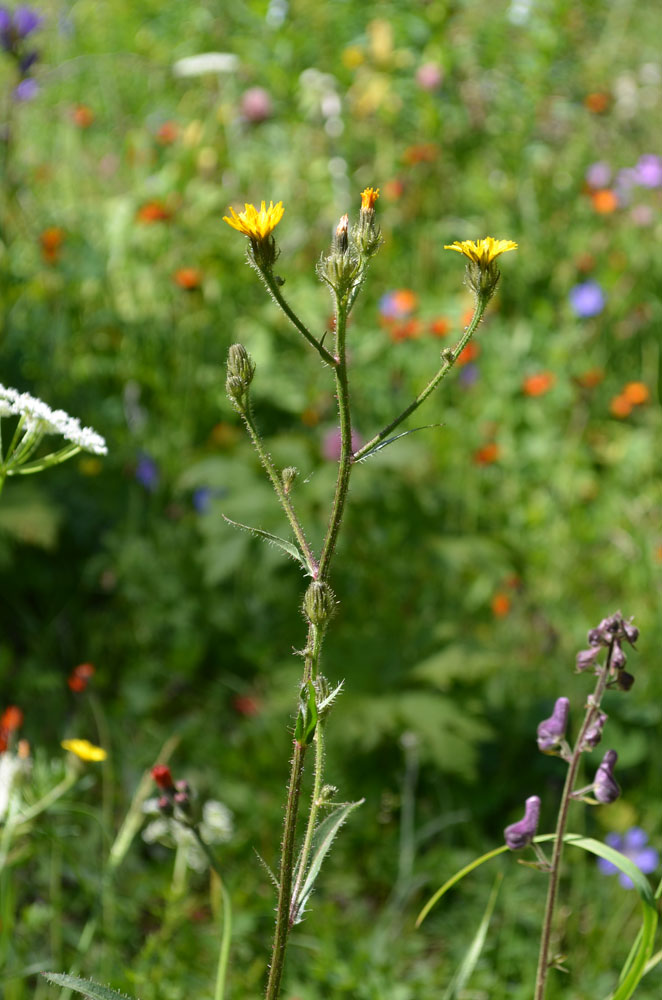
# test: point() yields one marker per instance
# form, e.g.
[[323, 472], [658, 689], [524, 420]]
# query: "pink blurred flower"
[[429, 76], [256, 104], [332, 442]]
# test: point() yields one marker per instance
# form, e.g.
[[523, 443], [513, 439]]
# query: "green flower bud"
[[240, 371], [319, 603], [288, 476]]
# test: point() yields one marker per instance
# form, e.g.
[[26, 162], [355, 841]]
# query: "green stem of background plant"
[[226, 934], [593, 707], [449, 362]]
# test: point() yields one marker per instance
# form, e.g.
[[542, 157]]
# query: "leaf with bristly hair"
[[88, 988], [289, 547], [324, 836], [396, 437]]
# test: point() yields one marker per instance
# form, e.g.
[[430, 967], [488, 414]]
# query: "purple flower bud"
[[551, 731], [586, 657], [26, 21], [631, 632], [605, 786], [593, 734], [618, 657], [519, 835], [624, 681]]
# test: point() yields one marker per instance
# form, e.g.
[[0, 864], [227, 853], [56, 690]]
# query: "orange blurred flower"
[[79, 677], [604, 201], [467, 316], [500, 604], [167, 133], [246, 705], [310, 417], [51, 240], [468, 353], [393, 190], [440, 326], [620, 406], [591, 378], [188, 278], [406, 331], [636, 393], [425, 152], [488, 454], [11, 719], [82, 116], [153, 211], [597, 102], [538, 385]]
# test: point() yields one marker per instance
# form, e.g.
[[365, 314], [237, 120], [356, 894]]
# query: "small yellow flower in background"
[[482, 252], [256, 225], [84, 749], [368, 198]]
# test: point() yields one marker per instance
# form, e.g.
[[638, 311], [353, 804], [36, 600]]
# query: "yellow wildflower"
[[368, 198], [84, 749], [256, 225], [482, 252]]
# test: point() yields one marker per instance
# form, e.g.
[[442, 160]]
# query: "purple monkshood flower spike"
[[605, 786], [633, 845], [519, 835], [551, 732]]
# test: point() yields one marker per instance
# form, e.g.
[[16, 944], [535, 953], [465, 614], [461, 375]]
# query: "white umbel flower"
[[39, 418]]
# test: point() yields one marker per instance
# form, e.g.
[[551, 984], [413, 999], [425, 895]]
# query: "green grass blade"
[[470, 959]]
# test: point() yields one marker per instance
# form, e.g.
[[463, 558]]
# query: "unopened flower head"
[[482, 272], [552, 731], [368, 235], [84, 750], [519, 835], [40, 419], [257, 225], [368, 198], [593, 734], [605, 786]]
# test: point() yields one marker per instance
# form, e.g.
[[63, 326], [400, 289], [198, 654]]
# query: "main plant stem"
[[593, 707], [313, 651]]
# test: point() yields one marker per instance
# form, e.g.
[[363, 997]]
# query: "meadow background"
[[475, 555]]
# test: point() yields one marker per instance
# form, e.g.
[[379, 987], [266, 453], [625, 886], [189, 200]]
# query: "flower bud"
[[618, 657], [586, 657], [552, 731], [319, 603], [165, 805], [519, 835], [368, 236], [288, 476], [341, 240], [162, 776], [624, 681], [240, 365], [593, 734], [631, 632], [605, 786], [182, 801]]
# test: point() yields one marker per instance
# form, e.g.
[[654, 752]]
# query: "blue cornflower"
[[587, 299], [633, 845]]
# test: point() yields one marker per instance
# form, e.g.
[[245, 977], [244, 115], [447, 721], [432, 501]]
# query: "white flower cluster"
[[39, 416]]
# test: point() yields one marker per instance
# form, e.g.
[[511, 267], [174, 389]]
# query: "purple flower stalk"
[[551, 732], [519, 835], [587, 299], [605, 786], [633, 845]]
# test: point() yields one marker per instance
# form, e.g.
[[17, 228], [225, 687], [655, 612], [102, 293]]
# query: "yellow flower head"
[[368, 199], [256, 225], [84, 749], [482, 252]]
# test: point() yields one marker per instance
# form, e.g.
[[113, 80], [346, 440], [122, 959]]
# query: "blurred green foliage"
[[475, 554]]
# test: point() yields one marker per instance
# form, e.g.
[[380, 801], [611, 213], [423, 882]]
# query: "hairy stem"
[[312, 820], [592, 709], [271, 283], [448, 363], [277, 484]]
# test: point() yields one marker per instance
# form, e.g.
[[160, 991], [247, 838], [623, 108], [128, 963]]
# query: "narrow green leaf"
[[292, 550], [322, 840], [88, 988], [473, 953], [396, 437]]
